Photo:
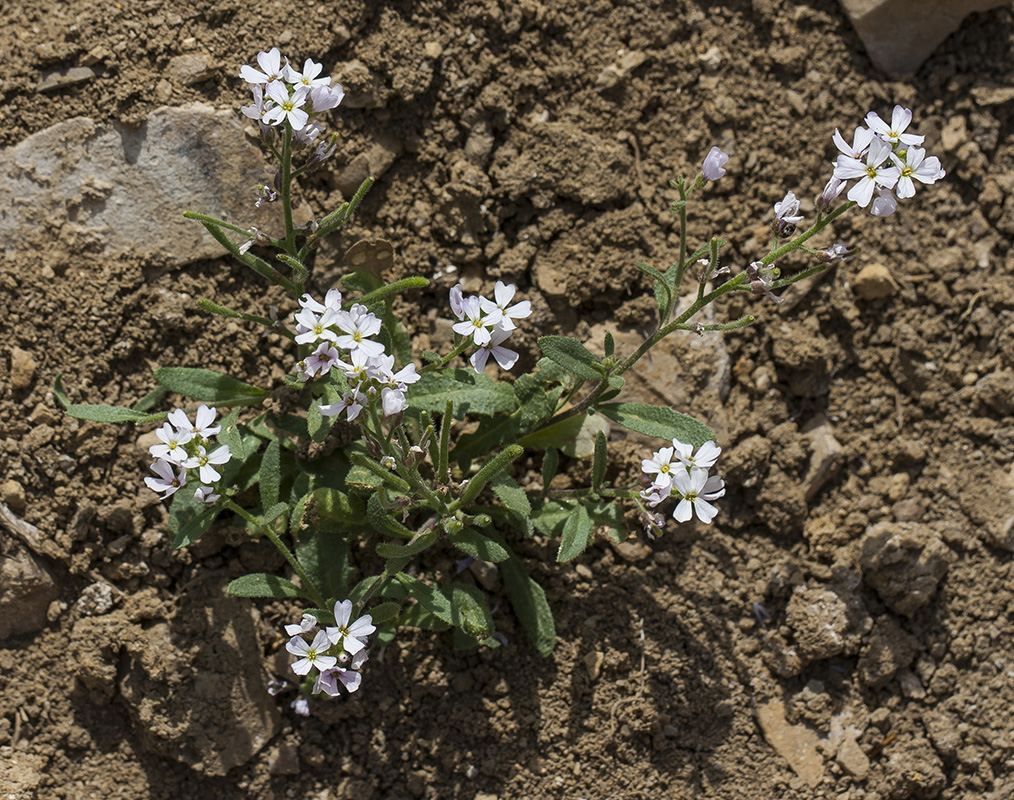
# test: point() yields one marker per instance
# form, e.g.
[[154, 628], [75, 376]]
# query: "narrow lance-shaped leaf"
[[529, 603], [663, 423], [599, 465], [271, 474], [576, 533], [572, 356], [208, 386], [260, 584]]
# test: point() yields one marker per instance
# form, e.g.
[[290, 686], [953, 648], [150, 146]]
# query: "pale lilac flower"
[[258, 108], [393, 401], [286, 108], [307, 624], [308, 133], [833, 188], [277, 687], [353, 402], [206, 462], [352, 637], [695, 489], [476, 324], [504, 356], [319, 362], [270, 62], [202, 428], [787, 211], [206, 495], [300, 706], [835, 253], [332, 300], [656, 493], [504, 293], [706, 456], [860, 141], [308, 77], [313, 328], [760, 281], [714, 162], [345, 672], [457, 301], [358, 325], [884, 204], [311, 655], [361, 368], [660, 465], [894, 133], [173, 441], [872, 173], [916, 165], [324, 98], [168, 481]]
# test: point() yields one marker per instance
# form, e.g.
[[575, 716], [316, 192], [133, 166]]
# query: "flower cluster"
[[489, 323], [678, 470], [883, 157], [283, 95], [369, 369], [185, 451], [337, 653]]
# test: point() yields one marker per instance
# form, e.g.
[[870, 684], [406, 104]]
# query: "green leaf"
[[384, 613], [324, 555], [383, 522], [573, 436], [471, 392], [418, 616], [658, 421], [98, 413], [273, 513], [529, 603], [490, 470], [411, 548], [576, 532], [650, 271], [391, 289], [151, 399], [550, 464], [59, 393], [260, 584], [601, 459], [208, 386], [470, 603], [271, 474], [472, 543], [230, 435], [431, 598], [189, 518], [550, 516], [572, 356], [515, 500]]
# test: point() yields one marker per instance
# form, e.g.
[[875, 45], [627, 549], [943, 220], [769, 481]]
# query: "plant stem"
[[311, 587], [290, 231]]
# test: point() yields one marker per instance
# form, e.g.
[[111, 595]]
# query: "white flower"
[[655, 494], [353, 402], [311, 655], [258, 108], [714, 162], [307, 624], [312, 327], [167, 481], [707, 454], [393, 401], [359, 324], [287, 109], [894, 133], [476, 325], [504, 294], [332, 300], [206, 463], [351, 637], [872, 173], [660, 465], [833, 188], [457, 301], [695, 489], [786, 211], [884, 204], [270, 62], [504, 356], [206, 495], [173, 441], [916, 165], [860, 141], [328, 680], [308, 77], [202, 427]]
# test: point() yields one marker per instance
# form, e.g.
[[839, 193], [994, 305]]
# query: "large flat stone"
[[110, 188], [900, 34]]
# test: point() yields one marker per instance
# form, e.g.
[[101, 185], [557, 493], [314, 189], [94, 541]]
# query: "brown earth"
[[867, 422]]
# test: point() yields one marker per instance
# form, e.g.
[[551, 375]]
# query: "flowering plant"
[[366, 463]]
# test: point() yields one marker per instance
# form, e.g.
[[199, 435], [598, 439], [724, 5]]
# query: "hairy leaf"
[[658, 421], [572, 356]]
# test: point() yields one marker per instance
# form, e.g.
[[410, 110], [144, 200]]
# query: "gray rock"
[[108, 188], [825, 456], [852, 758], [797, 744], [190, 68], [26, 590], [22, 368], [875, 282], [900, 34], [62, 78], [95, 600], [822, 623], [904, 562]]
